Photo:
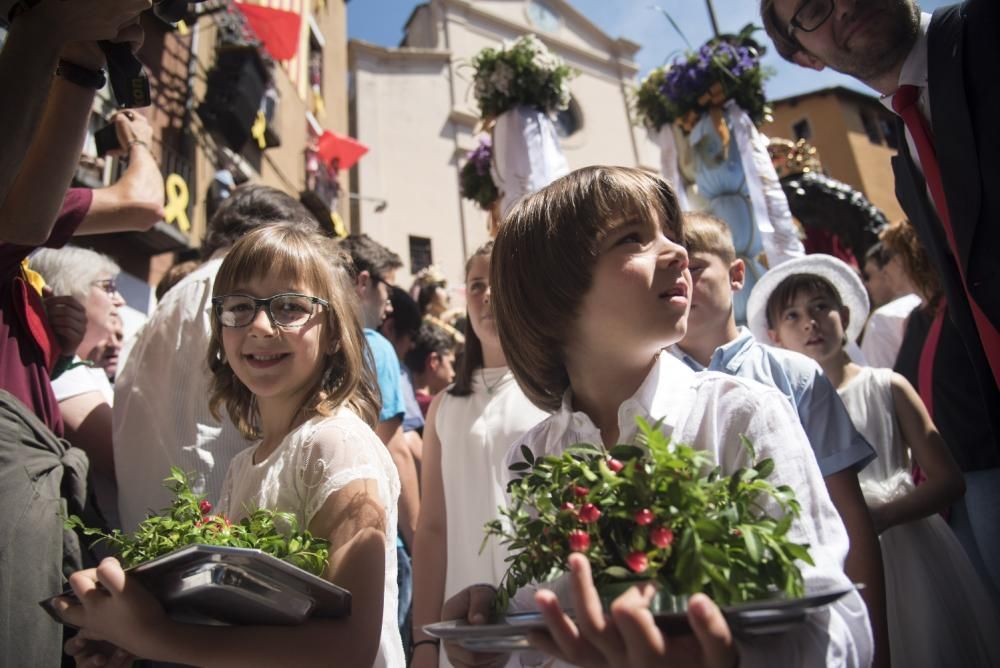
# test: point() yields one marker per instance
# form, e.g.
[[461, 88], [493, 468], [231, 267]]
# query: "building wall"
[[417, 149], [846, 151]]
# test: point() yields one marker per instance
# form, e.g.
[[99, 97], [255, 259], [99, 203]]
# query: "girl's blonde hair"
[[294, 250]]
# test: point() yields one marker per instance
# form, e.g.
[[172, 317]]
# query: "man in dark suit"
[[938, 74]]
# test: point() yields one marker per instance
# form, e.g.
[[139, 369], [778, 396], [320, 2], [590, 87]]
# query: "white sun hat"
[[840, 274]]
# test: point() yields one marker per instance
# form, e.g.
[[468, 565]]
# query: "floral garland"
[[651, 510], [523, 72], [725, 68], [475, 180]]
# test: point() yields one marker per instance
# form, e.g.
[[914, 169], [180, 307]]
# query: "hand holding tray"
[[745, 619], [211, 584]]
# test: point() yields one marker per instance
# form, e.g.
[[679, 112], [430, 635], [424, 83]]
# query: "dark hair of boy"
[[405, 314], [371, 256], [791, 287], [430, 339], [249, 207], [544, 259], [472, 355], [705, 233]]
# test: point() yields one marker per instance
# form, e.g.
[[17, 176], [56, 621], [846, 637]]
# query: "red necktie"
[[904, 102]]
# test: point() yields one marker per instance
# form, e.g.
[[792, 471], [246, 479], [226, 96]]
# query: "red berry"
[[589, 513], [205, 507], [579, 541], [615, 465], [661, 537], [567, 506], [581, 491], [644, 517], [637, 561]]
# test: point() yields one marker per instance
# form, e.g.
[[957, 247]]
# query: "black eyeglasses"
[[287, 310], [810, 15], [109, 285]]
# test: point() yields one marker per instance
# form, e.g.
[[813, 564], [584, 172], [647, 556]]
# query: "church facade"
[[414, 106]]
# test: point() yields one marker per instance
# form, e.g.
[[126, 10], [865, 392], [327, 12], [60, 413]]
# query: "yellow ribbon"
[[32, 277], [177, 202], [259, 130], [337, 223], [182, 28]]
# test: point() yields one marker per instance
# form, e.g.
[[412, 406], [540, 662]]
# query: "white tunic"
[[710, 411], [312, 462]]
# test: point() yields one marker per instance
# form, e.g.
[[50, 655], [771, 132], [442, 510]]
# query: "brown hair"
[[296, 251], [543, 264], [705, 233], [472, 355], [901, 239], [790, 288], [785, 45]]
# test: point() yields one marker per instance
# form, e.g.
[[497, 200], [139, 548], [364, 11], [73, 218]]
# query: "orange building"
[[854, 134]]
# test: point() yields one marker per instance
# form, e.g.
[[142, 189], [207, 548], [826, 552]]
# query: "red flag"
[[277, 29], [347, 149]]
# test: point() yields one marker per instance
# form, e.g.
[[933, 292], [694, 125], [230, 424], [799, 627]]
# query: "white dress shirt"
[[885, 329], [914, 73], [161, 416], [710, 411]]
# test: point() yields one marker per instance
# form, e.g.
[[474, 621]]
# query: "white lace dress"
[[938, 612], [476, 431], [315, 460]]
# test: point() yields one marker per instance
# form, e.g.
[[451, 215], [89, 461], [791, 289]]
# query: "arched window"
[[569, 121]]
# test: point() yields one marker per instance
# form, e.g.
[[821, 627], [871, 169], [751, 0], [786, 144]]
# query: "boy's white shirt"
[[708, 411]]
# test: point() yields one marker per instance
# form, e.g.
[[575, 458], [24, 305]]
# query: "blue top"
[[834, 440], [413, 418], [387, 372]]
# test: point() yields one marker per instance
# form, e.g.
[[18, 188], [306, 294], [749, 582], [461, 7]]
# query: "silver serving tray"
[[745, 619], [212, 584]]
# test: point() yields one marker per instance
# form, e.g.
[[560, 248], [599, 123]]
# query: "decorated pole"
[[715, 97], [518, 87]]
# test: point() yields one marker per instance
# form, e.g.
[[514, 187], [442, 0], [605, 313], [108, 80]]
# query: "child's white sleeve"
[[840, 634], [339, 453]]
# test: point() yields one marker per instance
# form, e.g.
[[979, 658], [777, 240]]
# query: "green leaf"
[[528, 455]]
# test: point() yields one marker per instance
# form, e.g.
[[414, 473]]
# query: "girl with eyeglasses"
[[287, 363]]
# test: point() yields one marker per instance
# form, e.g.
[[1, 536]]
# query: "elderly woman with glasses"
[[84, 393]]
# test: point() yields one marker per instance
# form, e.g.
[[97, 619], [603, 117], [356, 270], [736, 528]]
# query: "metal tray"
[[211, 584], [745, 619]]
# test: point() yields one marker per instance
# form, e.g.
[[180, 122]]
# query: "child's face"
[[477, 297], [638, 301], [812, 324], [713, 283], [276, 363]]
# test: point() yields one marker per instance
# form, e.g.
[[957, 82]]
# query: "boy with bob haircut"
[[714, 342], [589, 285]]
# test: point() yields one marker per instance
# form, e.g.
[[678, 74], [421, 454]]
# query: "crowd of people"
[[290, 370]]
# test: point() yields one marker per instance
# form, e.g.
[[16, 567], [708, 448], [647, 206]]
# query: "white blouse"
[[313, 461], [710, 411]]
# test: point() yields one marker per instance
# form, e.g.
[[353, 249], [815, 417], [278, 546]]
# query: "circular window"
[[569, 120]]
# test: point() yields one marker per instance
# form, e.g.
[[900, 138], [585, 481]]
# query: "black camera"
[[129, 82]]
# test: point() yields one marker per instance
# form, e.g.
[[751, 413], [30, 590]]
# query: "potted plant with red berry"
[[650, 510]]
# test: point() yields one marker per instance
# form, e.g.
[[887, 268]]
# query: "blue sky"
[[381, 22]]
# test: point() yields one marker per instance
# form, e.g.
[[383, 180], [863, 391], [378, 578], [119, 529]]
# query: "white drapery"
[[770, 206], [526, 154]]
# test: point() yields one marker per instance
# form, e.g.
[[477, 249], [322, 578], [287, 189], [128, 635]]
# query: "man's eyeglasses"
[[109, 285], [287, 310], [810, 15]]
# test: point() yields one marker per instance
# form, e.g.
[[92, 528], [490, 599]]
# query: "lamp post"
[[380, 204]]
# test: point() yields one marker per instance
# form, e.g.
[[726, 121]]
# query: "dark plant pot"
[[663, 602]]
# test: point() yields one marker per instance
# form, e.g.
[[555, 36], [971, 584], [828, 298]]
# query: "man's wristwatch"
[[81, 76]]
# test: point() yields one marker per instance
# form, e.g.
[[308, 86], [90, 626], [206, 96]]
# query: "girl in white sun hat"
[[937, 609]]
